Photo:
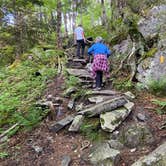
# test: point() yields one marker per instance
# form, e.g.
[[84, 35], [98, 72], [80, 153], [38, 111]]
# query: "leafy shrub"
[[123, 84]]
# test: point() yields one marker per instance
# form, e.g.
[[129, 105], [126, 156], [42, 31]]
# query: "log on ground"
[[104, 107]]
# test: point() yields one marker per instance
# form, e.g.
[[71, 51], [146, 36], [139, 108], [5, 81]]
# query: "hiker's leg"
[[83, 47], [98, 79], [78, 48], [101, 78]]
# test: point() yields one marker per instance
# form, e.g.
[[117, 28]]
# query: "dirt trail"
[[52, 147]]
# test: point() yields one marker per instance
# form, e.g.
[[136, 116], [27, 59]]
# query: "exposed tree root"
[[131, 61]]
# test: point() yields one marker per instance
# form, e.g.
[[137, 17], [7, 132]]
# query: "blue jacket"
[[99, 48]]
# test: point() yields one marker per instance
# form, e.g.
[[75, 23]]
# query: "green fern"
[[161, 106]]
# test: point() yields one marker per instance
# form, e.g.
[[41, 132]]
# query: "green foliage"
[[20, 88], [71, 81], [91, 129], [123, 84], [97, 31], [157, 87], [3, 155], [6, 54], [161, 106]]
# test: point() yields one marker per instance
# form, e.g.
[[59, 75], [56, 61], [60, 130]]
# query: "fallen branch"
[[8, 130]]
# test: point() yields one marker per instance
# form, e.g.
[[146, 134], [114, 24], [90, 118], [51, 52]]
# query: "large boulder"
[[111, 120], [154, 22], [102, 155], [155, 158], [153, 27], [136, 135], [152, 68]]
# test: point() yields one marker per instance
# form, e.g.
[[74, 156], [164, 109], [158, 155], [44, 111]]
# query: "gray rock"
[[136, 135], [129, 95], [62, 123], [103, 155], [70, 90], [79, 73], [151, 68], [75, 126], [111, 120], [141, 117], [71, 104], [105, 92], [153, 23], [37, 149], [115, 144], [83, 61], [155, 158], [3, 139], [104, 107], [58, 100], [97, 99], [66, 160], [79, 107], [124, 47]]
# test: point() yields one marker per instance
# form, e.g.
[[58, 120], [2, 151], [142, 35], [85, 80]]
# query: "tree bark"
[[59, 23], [104, 16]]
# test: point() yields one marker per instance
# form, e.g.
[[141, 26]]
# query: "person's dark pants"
[[80, 47], [99, 76]]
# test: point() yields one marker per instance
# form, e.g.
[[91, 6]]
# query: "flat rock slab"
[[83, 61], [111, 120], [75, 126], [98, 99], [79, 73], [104, 107], [62, 123], [105, 92]]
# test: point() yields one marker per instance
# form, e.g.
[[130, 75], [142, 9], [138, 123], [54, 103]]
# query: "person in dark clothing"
[[79, 38], [100, 63]]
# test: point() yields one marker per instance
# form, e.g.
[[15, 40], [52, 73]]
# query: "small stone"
[[79, 107], [74, 147], [65, 160], [141, 117], [37, 149], [58, 100], [3, 139], [70, 91], [133, 150], [71, 104]]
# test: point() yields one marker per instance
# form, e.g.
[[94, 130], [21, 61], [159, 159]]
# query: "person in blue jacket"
[[100, 61]]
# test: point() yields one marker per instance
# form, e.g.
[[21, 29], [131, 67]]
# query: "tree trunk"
[[59, 23], [65, 23], [104, 17], [74, 5]]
